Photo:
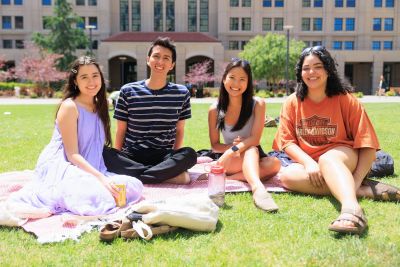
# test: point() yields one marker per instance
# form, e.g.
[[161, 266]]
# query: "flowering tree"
[[199, 75], [4, 74], [39, 67]]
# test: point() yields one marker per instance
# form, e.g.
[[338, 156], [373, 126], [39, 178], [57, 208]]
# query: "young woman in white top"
[[239, 116]]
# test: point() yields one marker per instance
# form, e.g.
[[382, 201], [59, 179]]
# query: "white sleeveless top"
[[245, 132]]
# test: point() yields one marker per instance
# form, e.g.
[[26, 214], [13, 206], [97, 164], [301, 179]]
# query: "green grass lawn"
[[295, 236]]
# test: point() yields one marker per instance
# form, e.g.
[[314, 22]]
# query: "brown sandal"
[[110, 231], [355, 216], [140, 229], [382, 191]]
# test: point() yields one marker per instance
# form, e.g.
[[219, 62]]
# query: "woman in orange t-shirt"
[[327, 132]]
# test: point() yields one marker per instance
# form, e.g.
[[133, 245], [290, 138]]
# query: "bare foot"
[[182, 178]]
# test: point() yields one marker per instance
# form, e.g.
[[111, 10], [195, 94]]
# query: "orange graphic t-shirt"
[[340, 120]]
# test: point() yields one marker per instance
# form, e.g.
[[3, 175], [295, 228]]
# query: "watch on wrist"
[[234, 148]]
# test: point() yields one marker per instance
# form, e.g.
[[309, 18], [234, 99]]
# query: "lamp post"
[[122, 59], [287, 28], [90, 27]]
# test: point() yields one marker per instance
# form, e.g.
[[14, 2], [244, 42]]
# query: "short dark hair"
[[164, 42], [334, 86]]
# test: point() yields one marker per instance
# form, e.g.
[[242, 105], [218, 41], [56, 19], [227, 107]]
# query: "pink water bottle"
[[216, 185]]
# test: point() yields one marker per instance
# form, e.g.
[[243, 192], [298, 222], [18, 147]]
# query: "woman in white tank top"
[[240, 118]]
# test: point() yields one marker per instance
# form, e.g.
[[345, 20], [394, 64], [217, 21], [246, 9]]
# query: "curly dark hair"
[[335, 85], [100, 100], [247, 97]]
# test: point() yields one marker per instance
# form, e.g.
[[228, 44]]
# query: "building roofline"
[[177, 37]]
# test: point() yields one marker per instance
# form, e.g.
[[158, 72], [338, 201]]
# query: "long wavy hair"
[[247, 97], [100, 100], [334, 86]]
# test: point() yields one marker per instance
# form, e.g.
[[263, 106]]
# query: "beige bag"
[[195, 212]]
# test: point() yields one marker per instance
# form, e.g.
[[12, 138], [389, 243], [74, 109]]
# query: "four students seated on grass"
[[323, 128]]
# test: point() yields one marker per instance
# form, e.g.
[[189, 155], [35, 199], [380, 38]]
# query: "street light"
[[122, 59], [287, 28], [90, 27]]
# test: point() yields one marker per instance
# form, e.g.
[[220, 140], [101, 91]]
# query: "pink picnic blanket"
[[54, 229]]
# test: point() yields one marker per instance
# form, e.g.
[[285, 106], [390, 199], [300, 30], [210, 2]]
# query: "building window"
[[234, 24], [350, 24], [388, 24], [389, 3], [377, 3], [246, 3], [234, 3], [377, 24], [18, 2], [93, 22], [6, 2], [123, 15], [158, 15], [136, 16], [19, 22], [192, 15], [81, 24], [7, 44], [387, 45], [204, 15], [337, 45], [6, 22], [46, 2], [338, 3], [348, 45], [278, 24], [95, 44], [317, 24], [233, 45], [267, 3], [351, 3], [279, 3], [243, 44], [170, 16], [305, 24], [80, 2], [338, 24], [246, 24], [45, 23], [306, 3], [315, 43], [92, 2], [318, 3], [376, 45], [266, 24], [19, 44]]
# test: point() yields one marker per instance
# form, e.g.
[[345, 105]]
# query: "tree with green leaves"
[[64, 38], [267, 56]]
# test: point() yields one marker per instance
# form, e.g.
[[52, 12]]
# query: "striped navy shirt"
[[151, 115]]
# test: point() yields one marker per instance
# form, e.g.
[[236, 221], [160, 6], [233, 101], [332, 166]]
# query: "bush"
[[358, 94], [214, 93], [390, 93]]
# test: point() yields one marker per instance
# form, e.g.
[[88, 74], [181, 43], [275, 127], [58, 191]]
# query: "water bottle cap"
[[217, 169]]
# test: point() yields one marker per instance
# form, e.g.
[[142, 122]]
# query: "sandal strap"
[[140, 227], [379, 189], [353, 215]]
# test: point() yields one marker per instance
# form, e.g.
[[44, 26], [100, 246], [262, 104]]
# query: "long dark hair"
[[247, 97], [334, 86], [100, 100]]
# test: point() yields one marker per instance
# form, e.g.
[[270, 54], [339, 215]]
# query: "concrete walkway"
[[52, 101]]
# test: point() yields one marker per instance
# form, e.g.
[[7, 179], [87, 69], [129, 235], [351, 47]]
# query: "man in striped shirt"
[[151, 118]]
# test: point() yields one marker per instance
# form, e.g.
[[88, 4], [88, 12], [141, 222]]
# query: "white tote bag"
[[195, 212]]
